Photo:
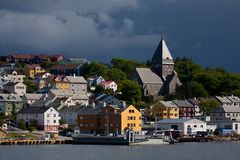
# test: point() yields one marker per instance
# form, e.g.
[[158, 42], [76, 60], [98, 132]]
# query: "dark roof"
[[182, 103], [65, 66], [22, 56], [33, 110]]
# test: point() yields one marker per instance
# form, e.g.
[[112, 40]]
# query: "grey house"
[[10, 103], [161, 78]]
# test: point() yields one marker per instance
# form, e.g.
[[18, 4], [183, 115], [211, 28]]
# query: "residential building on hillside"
[[224, 100], [187, 126], [47, 118], [161, 78], [78, 85], [196, 103], [109, 85], [33, 69], [30, 98], [12, 74], [20, 58], [235, 100], [66, 69], [10, 103], [165, 110], [105, 99], [93, 81], [186, 109], [109, 119], [18, 88]]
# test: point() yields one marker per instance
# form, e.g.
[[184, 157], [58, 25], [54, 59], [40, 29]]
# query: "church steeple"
[[162, 61]]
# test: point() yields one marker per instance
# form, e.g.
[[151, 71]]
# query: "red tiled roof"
[[105, 83], [22, 56], [65, 66], [32, 66]]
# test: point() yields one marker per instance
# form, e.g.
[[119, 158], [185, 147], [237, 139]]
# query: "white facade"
[[109, 85], [15, 77], [48, 120], [18, 88], [187, 126]]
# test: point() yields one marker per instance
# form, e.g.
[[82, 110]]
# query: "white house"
[[187, 126], [78, 85], [109, 85], [47, 117], [226, 117], [15, 77], [18, 88]]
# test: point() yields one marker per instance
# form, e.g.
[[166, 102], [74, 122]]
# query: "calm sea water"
[[182, 151]]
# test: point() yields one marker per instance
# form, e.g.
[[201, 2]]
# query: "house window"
[[47, 115], [54, 121], [54, 115], [195, 126], [188, 126], [201, 126]]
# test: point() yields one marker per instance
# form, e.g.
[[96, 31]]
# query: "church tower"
[[162, 61]]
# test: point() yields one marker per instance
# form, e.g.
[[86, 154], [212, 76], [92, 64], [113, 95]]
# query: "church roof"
[[147, 76], [162, 54]]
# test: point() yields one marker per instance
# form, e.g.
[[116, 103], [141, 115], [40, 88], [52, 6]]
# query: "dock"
[[34, 142]]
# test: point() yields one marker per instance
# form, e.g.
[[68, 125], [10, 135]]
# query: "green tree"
[[116, 74], [192, 89], [94, 69], [125, 65], [131, 91], [31, 87], [21, 124], [208, 105]]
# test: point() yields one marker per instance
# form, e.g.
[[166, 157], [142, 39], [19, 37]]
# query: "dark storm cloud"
[[205, 30]]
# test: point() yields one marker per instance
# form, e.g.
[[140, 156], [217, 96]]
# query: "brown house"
[[109, 119]]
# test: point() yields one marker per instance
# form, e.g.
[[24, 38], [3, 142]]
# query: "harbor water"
[[180, 151]]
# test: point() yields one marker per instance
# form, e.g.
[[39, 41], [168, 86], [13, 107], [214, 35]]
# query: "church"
[[161, 79]]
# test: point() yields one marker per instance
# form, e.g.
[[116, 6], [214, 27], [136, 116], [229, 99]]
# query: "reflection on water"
[[182, 151]]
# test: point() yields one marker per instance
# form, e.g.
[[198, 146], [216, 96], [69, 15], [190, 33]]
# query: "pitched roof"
[[180, 121], [147, 76], [162, 54], [223, 99], [33, 96], [65, 66], [227, 109], [105, 83], [22, 56], [168, 104], [76, 79], [182, 103], [32, 66], [33, 110], [10, 97], [234, 99]]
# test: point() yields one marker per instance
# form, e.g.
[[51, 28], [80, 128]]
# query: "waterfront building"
[[10, 103], [165, 110], [187, 126], [227, 117], [186, 109], [3, 133], [109, 119], [161, 78], [47, 118]]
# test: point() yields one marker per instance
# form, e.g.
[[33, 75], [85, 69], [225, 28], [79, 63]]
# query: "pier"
[[34, 142]]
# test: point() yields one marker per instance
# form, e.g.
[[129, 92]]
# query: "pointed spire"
[[162, 54]]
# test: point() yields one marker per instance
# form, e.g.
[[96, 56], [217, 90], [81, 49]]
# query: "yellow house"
[[62, 83], [165, 110], [131, 118], [32, 69]]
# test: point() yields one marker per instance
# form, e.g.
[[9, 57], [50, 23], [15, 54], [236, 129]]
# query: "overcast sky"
[[208, 31]]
